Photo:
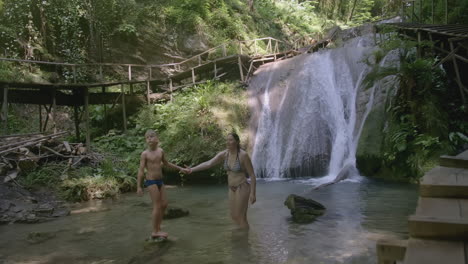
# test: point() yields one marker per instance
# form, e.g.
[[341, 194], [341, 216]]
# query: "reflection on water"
[[358, 214]]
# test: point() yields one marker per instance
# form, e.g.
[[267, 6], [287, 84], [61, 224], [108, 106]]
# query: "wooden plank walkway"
[[439, 228]]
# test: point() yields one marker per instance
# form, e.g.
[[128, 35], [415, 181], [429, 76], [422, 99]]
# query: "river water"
[[358, 214]]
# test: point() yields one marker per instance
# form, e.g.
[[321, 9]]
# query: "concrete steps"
[[422, 251], [439, 228], [459, 161], [440, 218], [445, 182], [389, 251]]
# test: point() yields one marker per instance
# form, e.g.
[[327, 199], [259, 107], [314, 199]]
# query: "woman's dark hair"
[[236, 137]]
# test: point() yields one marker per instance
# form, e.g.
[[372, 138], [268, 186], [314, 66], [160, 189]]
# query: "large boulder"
[[303, 210]]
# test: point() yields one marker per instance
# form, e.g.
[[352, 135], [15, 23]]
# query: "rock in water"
[[39, 237], [175, 212], [303, 210]]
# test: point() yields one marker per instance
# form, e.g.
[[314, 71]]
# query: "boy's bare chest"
[[154, 158]]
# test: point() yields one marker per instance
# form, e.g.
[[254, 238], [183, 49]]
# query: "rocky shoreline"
[[18, 205]]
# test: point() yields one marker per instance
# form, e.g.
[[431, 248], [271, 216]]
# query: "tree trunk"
[[352, 11], [250, 2]]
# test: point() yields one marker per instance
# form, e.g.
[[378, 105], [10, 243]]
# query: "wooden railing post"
[[124, 108], [457, 73], [193, 76], [40, 118], [215, 70], [255, 47], [5, 109], [101, 77], [240, 68], [87, 126], [148, 86], [74, 73], [170, 87], [54, 110], [224, 50]]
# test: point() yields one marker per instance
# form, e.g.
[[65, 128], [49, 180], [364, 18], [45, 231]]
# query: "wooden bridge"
[[448, 42], [85, 84]]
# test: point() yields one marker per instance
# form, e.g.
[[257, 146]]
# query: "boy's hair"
[[151, 132]]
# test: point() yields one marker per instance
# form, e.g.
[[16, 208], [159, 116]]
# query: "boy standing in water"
[[152, 160]]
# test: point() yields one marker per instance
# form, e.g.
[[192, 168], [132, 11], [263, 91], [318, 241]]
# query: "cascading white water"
[[304, 112]]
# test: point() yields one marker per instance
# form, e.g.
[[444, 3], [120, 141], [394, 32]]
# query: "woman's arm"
[[247, 163], [208, 164]]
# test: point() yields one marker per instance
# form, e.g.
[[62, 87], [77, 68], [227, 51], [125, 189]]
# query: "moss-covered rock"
[[370, 148], [303, 210]]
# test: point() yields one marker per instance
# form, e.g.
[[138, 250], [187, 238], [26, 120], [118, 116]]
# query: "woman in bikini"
[[239, 168]]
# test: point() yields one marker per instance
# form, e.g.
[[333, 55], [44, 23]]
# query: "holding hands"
[[186, 170]]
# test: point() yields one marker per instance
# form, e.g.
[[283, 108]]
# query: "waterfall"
[[304, 112]]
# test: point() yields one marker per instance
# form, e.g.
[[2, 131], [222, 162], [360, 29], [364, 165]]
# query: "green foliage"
[[419, 129], [192, 129], [48, 175]]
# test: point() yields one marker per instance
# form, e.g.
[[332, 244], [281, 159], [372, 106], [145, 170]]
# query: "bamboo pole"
[[86, 109], [124, 114]]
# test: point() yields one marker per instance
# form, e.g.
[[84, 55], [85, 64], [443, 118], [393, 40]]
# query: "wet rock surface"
[[18, 205], [303, 210], [175, 212]]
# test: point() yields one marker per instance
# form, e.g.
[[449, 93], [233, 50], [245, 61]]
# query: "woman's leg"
[[239, 205]]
